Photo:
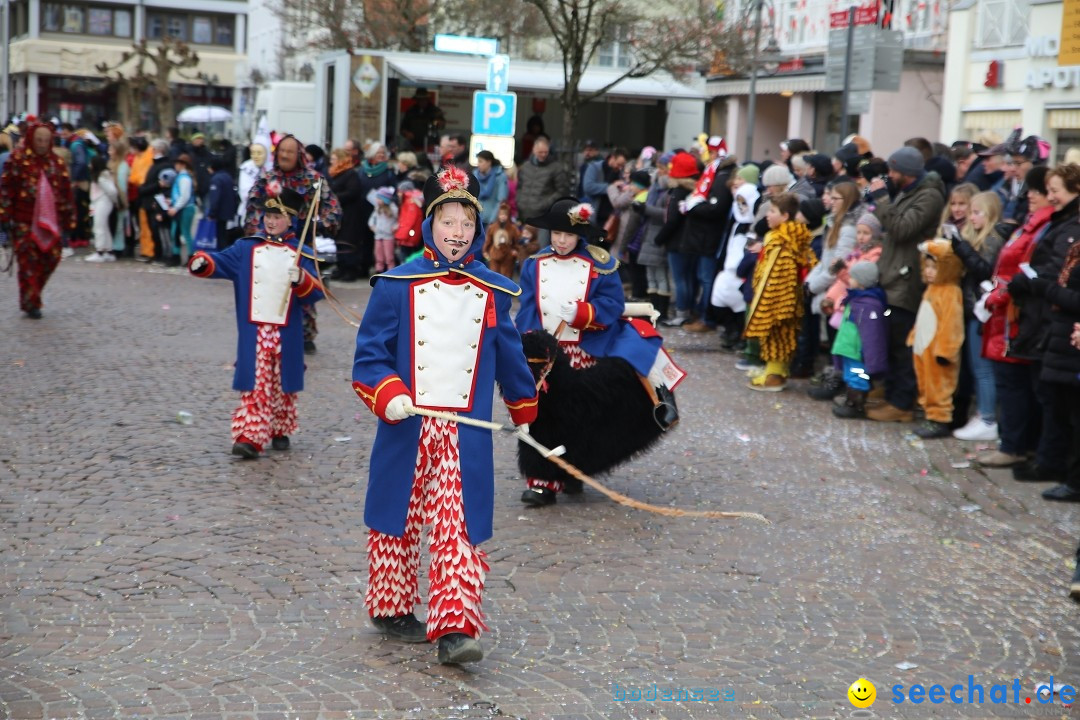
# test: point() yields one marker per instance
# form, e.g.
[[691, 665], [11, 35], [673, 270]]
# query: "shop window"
[[1002, 23], [203, 29]]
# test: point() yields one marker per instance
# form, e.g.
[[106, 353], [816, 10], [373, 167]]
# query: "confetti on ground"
[[961, 465], [905, 665], [743, 437], [343, 438], [164, 307], [924, 472], [970, 508], [173, 517]]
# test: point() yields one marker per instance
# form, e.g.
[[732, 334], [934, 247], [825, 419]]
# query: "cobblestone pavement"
[[147, 573]]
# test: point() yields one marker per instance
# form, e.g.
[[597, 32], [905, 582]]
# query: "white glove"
[[198, 263], [568, 311], [294, 274], [396, 409], [524, 428]]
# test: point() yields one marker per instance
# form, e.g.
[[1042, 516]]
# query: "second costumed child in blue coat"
[[270, 289]]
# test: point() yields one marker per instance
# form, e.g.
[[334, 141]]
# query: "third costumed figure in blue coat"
[[437, 335], [572, 290]]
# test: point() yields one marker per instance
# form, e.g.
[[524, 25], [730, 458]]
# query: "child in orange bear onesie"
[[937, 336]]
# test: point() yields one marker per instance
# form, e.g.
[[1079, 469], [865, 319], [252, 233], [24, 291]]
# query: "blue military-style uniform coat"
[[235, 264], [390, 346], [598, 327]]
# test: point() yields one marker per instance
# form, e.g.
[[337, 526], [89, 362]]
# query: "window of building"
[[202, 30], [197, 29], [18, 17], [225, 30], [615, 52], [82, 19], [99, 21], [1002, 23]]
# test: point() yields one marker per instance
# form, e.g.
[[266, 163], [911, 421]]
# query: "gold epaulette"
[[602, 257]]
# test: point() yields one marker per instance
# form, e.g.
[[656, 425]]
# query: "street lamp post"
[[751, 109], [845, 102], [771, 55]]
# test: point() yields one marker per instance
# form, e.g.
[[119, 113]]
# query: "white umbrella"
[[204, 114]]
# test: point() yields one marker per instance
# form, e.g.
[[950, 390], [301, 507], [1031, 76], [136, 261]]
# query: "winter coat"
[[821, 277], [1061, 363], [493, 191], [978, 267], [595, 184], [410, 220], [1001, 328], [727, 286], [1047, 259], [346, 187], [908, 219], [222, 200], [629, 221], [703, 229], [804, 189], [864, 316], [745, 272], [372, 178], [651, 254], [103, 194], [539, 185], [838, 290], [383, 221], [669, 236]]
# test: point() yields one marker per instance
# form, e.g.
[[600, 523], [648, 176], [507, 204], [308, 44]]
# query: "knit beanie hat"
[[683, 165], [750, 173], [864, 273], [872, 224], [907, 161], [641, 178], [386, 194], [777, 175], [814, 211]]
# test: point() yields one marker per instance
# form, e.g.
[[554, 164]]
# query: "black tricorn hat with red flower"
[[451, 184], [570, 216]]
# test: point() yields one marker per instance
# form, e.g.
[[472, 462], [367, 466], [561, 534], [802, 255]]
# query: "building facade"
[[53, 48], [791, 95], [1014, 67]]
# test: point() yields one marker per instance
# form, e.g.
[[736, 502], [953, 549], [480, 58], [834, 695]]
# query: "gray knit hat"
[[864, 273], [873, 224], [777, 175], [907, 161]]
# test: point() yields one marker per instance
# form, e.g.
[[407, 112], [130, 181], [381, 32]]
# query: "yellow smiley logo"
[[862, 693]]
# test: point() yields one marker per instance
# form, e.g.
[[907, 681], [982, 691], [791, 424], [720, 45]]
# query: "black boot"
[[538, 496], [245, 450], [402, 627], [281, 442], [829, 388], [854, 407], [661, 302], [457, 648], [666, 413]]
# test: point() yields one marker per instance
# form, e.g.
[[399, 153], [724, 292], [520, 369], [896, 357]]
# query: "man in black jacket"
[[149, 189], [702, 232]]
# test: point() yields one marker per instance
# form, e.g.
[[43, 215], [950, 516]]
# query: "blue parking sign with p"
[[493, 113]]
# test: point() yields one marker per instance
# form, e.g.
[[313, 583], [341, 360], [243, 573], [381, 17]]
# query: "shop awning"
[[1067, 119], [768, 85], [991, 119], [439, 69]]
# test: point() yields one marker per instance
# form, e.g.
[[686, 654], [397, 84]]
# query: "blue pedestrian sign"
[[498, 77], [493, 113]]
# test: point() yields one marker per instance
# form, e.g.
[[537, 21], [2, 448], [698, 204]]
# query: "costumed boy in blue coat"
[[437, 335], [572, 290], [270, 289]]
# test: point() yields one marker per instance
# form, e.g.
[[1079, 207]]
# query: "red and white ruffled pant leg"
[[265, 411], [579, 359], [458, 568]]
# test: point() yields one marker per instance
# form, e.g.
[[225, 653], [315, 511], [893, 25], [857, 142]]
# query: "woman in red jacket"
[[1019, 419]]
